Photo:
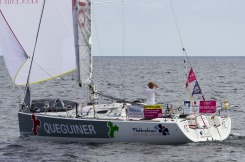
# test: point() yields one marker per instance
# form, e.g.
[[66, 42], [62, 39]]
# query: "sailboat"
[[57, 42]]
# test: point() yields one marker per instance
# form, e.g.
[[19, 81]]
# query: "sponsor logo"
[[36, 124], [203, 134], [153, 106], [82, 9], [140, 130], [81, 13], [112, 130], [158, 130], [69, 129], [135, 110], [161, 129]]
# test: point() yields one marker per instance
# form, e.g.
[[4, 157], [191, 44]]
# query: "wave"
[[236, 136]]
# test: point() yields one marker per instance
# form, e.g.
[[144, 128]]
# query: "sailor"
[[150, 93]]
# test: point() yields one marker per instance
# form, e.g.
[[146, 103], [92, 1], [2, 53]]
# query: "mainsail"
[[54, 53], [82, 32]]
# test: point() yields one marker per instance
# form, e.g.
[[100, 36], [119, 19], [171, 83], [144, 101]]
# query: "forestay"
[[55, 52]]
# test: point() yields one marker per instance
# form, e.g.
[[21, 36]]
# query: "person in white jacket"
[[150, 93]]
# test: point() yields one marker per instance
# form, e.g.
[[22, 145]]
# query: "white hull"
[[62, 44], [106, 129]]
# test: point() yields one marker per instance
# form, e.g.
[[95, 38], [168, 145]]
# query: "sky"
[[207, 28]]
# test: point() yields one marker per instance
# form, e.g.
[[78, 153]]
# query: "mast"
[[75, 26], [82, 39]]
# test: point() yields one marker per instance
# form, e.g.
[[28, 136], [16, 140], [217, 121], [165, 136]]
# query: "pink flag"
[[191, 77]]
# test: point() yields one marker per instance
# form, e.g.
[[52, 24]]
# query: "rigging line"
[[185, 75], [27, 82], [182, 44], [29, 73], [177, 27], [115, 98], [123, 45], [123, 19], [93, 18], [181, 41], [107, 2], [45, 71], [123, 32]]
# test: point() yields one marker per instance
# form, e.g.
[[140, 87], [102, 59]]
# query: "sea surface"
[[126, 78]]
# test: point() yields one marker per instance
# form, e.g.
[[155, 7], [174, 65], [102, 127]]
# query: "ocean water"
[[127, 77]]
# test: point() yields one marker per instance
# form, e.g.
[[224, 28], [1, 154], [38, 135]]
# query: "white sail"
[[55, 52], [14, 54], [82, 26]]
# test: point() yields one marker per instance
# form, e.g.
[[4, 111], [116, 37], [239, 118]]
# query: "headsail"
[[14, 54], [82, 29], [54, 54]]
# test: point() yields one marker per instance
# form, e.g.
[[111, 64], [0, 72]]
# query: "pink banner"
[[207, 107], [152, 113]]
